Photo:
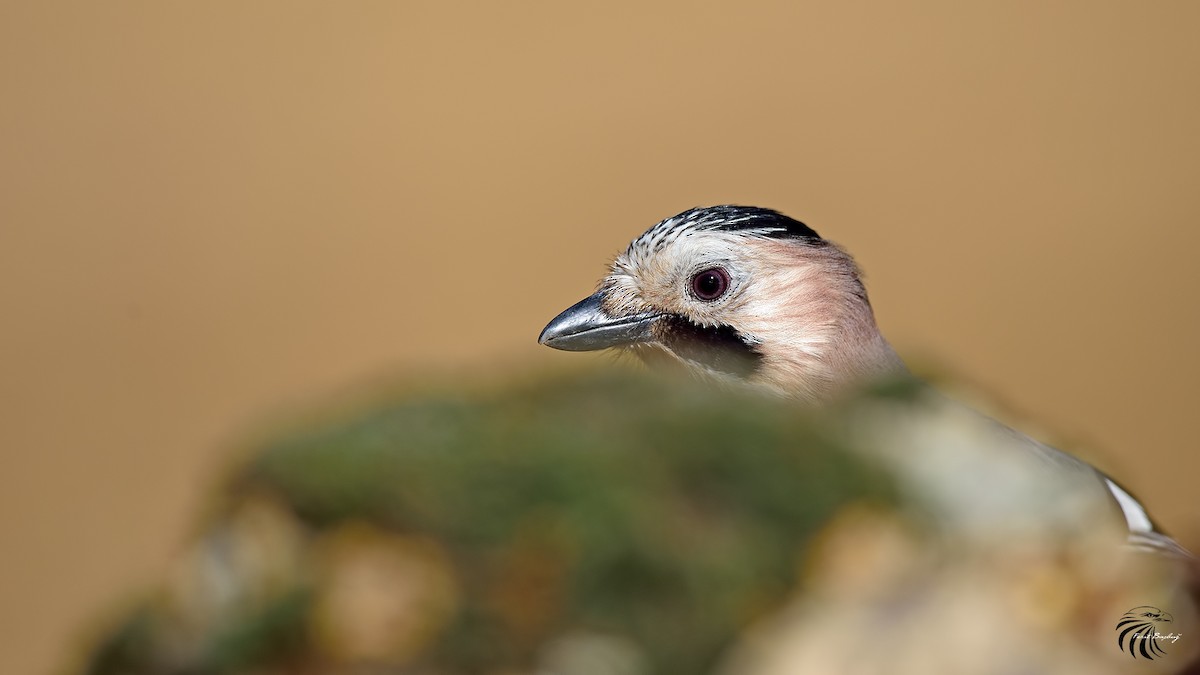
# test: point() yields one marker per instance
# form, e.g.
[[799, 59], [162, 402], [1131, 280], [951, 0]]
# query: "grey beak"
[[585, 326]]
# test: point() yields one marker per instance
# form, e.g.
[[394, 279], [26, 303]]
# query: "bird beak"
[[586, 326]]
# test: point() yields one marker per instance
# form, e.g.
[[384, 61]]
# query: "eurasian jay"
[[747, 294]]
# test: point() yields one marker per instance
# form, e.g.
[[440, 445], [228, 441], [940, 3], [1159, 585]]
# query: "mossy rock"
[[479, 531]]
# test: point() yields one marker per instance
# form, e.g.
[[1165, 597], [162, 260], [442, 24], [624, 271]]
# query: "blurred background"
[[214, 213]]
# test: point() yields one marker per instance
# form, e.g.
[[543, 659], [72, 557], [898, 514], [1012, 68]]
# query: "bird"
[[744, 294]]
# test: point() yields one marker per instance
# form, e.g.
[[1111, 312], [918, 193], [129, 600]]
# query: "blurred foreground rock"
[[618, 525]]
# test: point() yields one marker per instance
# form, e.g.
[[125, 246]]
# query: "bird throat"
[[720, 349]]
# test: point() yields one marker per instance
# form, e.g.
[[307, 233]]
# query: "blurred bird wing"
[[1143, 535]]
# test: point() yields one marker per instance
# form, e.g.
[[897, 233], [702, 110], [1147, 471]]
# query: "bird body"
[[746, 294]]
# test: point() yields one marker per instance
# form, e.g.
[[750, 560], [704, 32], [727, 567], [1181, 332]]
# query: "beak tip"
[[555, 338], [551, 336]]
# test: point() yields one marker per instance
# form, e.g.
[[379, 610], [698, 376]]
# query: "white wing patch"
[[1135, 516]]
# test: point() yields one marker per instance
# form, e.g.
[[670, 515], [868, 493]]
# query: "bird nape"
[[750, 295]]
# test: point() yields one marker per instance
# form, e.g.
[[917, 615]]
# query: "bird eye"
[[710, 284]]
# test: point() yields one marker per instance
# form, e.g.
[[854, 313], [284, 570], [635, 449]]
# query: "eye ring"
[[710, 284]]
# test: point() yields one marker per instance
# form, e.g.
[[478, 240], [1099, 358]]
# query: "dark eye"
[[710, 284]]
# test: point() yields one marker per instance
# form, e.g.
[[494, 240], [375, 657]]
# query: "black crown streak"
[[770, 223], [718, 348], [753, 221]]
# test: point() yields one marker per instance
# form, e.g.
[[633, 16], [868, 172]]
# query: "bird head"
[[734, 292]]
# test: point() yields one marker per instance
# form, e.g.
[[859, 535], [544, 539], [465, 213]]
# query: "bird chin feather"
[[716, 352], [662, 359]]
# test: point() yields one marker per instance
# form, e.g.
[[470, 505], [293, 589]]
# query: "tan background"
[[211, 213]]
